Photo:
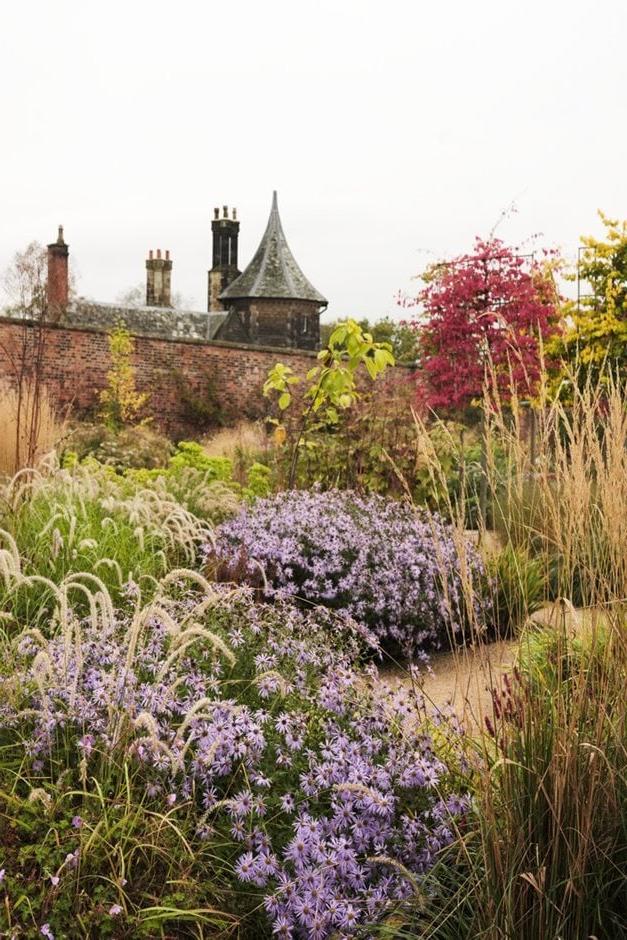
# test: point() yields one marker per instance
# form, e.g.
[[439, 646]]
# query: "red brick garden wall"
[[75, 364]]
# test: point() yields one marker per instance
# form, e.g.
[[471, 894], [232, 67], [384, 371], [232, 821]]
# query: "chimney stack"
[[225, 233], [158, 280], [58, 285]]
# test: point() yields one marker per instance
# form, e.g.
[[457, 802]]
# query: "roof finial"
[[60, 240], [275, 201]]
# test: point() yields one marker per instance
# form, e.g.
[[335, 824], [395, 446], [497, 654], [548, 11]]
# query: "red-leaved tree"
[[484, 313]]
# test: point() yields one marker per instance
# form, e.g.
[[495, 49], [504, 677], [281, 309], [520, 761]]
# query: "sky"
[[394, 132]]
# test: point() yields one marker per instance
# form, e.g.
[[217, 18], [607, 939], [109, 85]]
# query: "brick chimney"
[[57, 277], [158, 279]]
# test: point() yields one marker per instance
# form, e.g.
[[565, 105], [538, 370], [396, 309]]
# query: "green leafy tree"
[[333, 384], [399, 335], [596, 331]]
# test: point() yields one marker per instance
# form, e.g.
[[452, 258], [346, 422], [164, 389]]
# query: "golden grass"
[[30, 428], [546, 855], [246, 436]]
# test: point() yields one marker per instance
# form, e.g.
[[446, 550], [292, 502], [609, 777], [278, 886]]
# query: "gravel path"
[[463, 678]]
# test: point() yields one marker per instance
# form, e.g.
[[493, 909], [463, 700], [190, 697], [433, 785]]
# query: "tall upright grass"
[[567, 502], [546, 855], [31, 427]]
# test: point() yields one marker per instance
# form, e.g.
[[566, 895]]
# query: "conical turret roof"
[[273, 272]]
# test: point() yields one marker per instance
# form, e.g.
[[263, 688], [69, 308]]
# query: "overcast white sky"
[[394, 132]]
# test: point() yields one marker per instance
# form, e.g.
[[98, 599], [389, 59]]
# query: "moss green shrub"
[[192, 454]]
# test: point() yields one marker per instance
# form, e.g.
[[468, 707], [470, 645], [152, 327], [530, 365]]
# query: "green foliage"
[[259, 482], [596, 333], [201, 407], [121, 403], [519, 588], [198, 491], [192, 454], [76, 524], [137, 447], [561, 653], [400, 336], [333, 384]]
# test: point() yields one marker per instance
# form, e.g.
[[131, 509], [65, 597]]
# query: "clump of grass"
[[31, 427], [243, 444], [65, 522], [566, 503], [546, 852], [553, 818], [518, 586]]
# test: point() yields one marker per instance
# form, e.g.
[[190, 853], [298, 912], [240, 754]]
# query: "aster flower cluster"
[[397, 571], [294, 766]]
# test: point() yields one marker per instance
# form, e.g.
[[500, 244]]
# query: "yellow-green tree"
[[596, 324], [120, 401]]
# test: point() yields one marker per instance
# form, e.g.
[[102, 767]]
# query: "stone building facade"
[[270, 303], [268, 312]]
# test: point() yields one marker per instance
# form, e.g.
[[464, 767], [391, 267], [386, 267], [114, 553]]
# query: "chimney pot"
[[225, 211], [150, 254], [234, 215], [167, 255], [158, 252], [216, 213]]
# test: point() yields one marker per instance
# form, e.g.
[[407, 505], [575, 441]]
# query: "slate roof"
[[273, 272], [145, 321]]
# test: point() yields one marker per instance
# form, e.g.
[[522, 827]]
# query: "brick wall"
[[76, 361]]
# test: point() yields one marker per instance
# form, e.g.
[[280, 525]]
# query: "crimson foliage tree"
[[484, 312]]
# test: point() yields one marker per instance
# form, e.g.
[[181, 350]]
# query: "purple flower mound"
[[394, 570], [305, 795]]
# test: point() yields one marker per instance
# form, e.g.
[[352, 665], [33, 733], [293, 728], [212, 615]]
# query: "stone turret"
[[272, 302]]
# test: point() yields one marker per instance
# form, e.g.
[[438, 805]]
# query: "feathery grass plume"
[[546, 849], [31, 427], [197, 631]]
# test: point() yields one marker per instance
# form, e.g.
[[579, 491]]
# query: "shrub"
[[402, 574], [212, 764], [121, 403], [200, 406], [519, 586], [139, 447], [78, 525], [192, 454], [259, 482]]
